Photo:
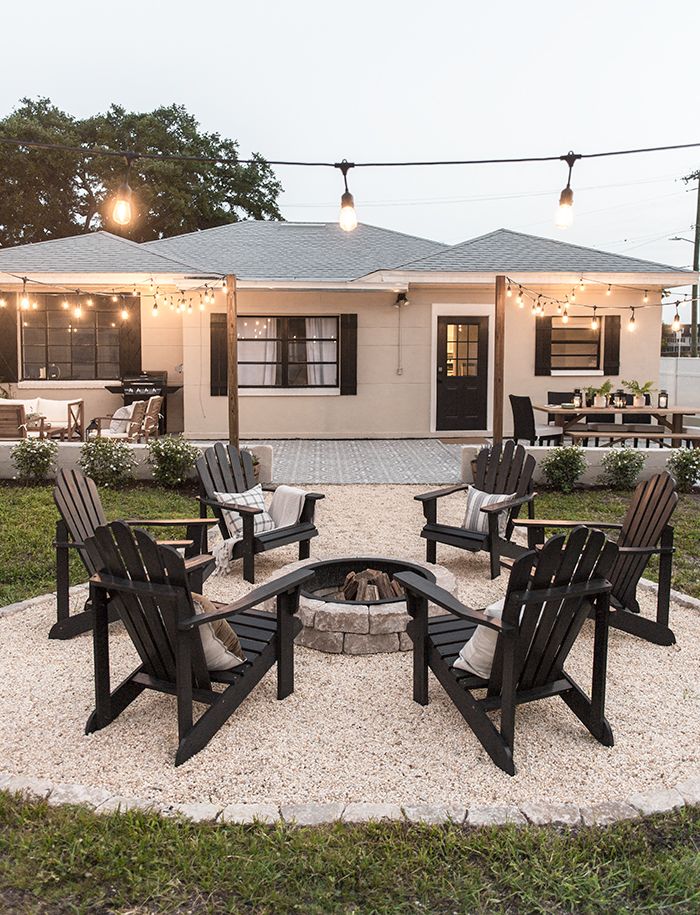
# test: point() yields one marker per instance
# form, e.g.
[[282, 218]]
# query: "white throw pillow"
[[476, 656], [255, 498], [216, 654], [120, 418], [476, 520]]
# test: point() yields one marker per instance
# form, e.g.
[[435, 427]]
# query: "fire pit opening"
[[366, 581]]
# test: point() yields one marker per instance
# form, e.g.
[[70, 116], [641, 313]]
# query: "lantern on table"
[[619, 398], [663, 399], [578, 399]]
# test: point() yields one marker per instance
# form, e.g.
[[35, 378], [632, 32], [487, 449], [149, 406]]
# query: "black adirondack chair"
[[553, 590], [225, 469], [148, 585], [503, 468], [645, 531], [80, 508]]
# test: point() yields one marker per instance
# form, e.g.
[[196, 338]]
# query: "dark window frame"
[[101, 306], [285, 341], [570, 345]]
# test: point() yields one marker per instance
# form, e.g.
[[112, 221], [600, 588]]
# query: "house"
[[370, 333]]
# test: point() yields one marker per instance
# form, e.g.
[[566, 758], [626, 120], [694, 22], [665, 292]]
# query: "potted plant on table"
[[639, 391], [598, 397]]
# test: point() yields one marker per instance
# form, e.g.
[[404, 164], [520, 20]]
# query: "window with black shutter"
[[576, 346]]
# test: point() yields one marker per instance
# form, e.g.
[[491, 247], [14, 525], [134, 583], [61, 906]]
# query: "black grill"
[[143, 386]]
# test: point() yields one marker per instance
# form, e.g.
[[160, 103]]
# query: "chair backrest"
[[504, 468], [133, 556], [649, 512], [152, 415], [558, 397], [523, 418], [224, 468], [13, 421], [79, 505], [135, 424], [548, 628]]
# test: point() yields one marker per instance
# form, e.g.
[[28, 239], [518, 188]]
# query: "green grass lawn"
[[68, 860]]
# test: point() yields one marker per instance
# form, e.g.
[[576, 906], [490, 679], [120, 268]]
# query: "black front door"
[[462, 373]]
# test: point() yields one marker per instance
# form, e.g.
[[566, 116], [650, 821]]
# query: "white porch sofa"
[[64, 418]]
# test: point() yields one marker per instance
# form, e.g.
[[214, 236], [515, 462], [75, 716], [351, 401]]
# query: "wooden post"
[[499, 359], [232, 351]]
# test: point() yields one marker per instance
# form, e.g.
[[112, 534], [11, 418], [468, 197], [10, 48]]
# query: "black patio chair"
[[504, 468], [225, 469], [148, 586], [524, 428], [645, 531], [81, 511], [546, 605]]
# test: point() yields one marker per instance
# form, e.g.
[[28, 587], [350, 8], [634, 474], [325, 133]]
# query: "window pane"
[[262, 328], [108, 369], [259, 376], [313, 351], [575, 345], [257, 350]]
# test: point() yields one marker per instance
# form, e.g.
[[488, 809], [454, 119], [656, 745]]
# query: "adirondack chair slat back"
[[13, 421], [649, 512], [134, 556], [504, 468], [225, 469], [151, 414], [78, 503], [548, 628], [137, 417]]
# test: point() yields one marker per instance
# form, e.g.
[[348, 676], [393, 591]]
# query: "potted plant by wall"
[[639, 391], [600, 395]]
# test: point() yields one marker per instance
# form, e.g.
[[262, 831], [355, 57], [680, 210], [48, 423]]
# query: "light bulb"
[[509, 291], [609, 292], [520, 299], [594, 321], [646, 296], [35, 305], [348, 216], [124, 314], [632, 323], [155, 310], [90, 302], [65, 305], [558, 308], [24, 302], [565, 212], [573, 295], [78, 311], [582, 285], [565, 317], [676, 323], [121, 211], [3, 303]]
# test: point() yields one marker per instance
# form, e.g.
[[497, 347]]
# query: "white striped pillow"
[[476, 520], [255, 498]]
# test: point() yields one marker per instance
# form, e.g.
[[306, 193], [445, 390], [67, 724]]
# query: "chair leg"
[[665, 571], [418, 631], [287, 604], [431, 551], [304, 549], [62, 572], [248, 549]]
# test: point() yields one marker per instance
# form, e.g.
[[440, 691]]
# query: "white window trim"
[[288, 392], [73, 384], [578, 373]]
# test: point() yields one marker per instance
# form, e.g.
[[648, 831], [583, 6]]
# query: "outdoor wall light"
[[401, 299], [565, 213], [348, 216]]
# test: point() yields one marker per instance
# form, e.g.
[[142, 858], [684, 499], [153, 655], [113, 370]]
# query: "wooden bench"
[[622, 436]]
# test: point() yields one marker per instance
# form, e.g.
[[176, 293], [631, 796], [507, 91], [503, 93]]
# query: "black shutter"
[[130, 343], [218, 356], [8, 343], [611, 345], [543, 346], [348, 354]]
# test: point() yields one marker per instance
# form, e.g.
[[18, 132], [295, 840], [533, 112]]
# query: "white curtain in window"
[[262, 350], [321, 350]]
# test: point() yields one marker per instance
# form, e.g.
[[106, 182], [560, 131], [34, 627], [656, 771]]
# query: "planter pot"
[[600, 400], [639, 401]]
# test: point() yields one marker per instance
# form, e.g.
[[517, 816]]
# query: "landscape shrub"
[[621, 467], [34, 458], [172, 459], [564, 466], [684, 467], [107, 462]]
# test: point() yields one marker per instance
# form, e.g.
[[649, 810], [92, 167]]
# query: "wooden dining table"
[[672, 418]]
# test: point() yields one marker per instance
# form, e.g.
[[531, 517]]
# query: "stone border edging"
[[536, 813]]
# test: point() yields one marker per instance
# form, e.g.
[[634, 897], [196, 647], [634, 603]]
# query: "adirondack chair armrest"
[[546, 522], [74, 544], [198, 562], [416, 584], [269, 487], [175, 543], [241, 509], [314, 496], [257, 596], [506, 506], [168, 522], [591, 588], [646, 550], [439, 493]]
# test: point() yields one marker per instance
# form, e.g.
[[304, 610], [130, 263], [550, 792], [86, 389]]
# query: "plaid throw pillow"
[[476, 520], [255, 498]]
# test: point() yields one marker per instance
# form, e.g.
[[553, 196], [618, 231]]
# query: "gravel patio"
[[351, 732]]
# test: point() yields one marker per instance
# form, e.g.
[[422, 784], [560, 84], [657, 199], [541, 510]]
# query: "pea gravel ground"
[[351, 732]]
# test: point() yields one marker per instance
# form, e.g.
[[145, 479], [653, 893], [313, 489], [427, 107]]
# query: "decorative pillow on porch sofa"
[[476, 656], [476, 520], [120, 418], [255, 498], [222, 647]]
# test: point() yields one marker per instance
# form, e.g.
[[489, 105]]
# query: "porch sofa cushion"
[[120, 419], [254, 498], [476, 656], [55, 411], [476, 520]]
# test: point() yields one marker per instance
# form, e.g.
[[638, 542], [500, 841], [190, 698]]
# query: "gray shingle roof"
[[506, 251], [294, 250], [95, 252]]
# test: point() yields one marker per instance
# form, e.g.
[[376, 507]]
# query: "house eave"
[[531, 278]]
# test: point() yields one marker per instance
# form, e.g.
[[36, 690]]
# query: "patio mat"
[[364, 461]]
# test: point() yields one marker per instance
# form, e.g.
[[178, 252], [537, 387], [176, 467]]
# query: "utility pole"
[[696, 265]]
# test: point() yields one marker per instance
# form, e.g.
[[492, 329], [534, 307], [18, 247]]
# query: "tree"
[[51, 194]]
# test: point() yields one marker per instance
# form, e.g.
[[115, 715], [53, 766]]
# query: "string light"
[[3, 302], [89, 302], [632, 323], [189, 306], [65, 305], [595, 323], [565, 213], [202, 305], [645, 298], [24, 299], [348, 216], [124, 313], [558, 308], [121, 208], [509, 291], [609, 290], [154, 311], [115, 297], [78, 311], [582, 285], [676, 323], [520, 300], [565, 316], [572, 295]]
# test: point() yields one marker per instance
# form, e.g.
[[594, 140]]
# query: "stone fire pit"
[[351, 627]]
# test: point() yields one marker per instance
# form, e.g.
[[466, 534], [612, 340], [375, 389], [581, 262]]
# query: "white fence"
[[681, 378]]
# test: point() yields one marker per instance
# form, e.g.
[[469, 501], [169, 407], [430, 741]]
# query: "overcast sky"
[[406, 80]]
